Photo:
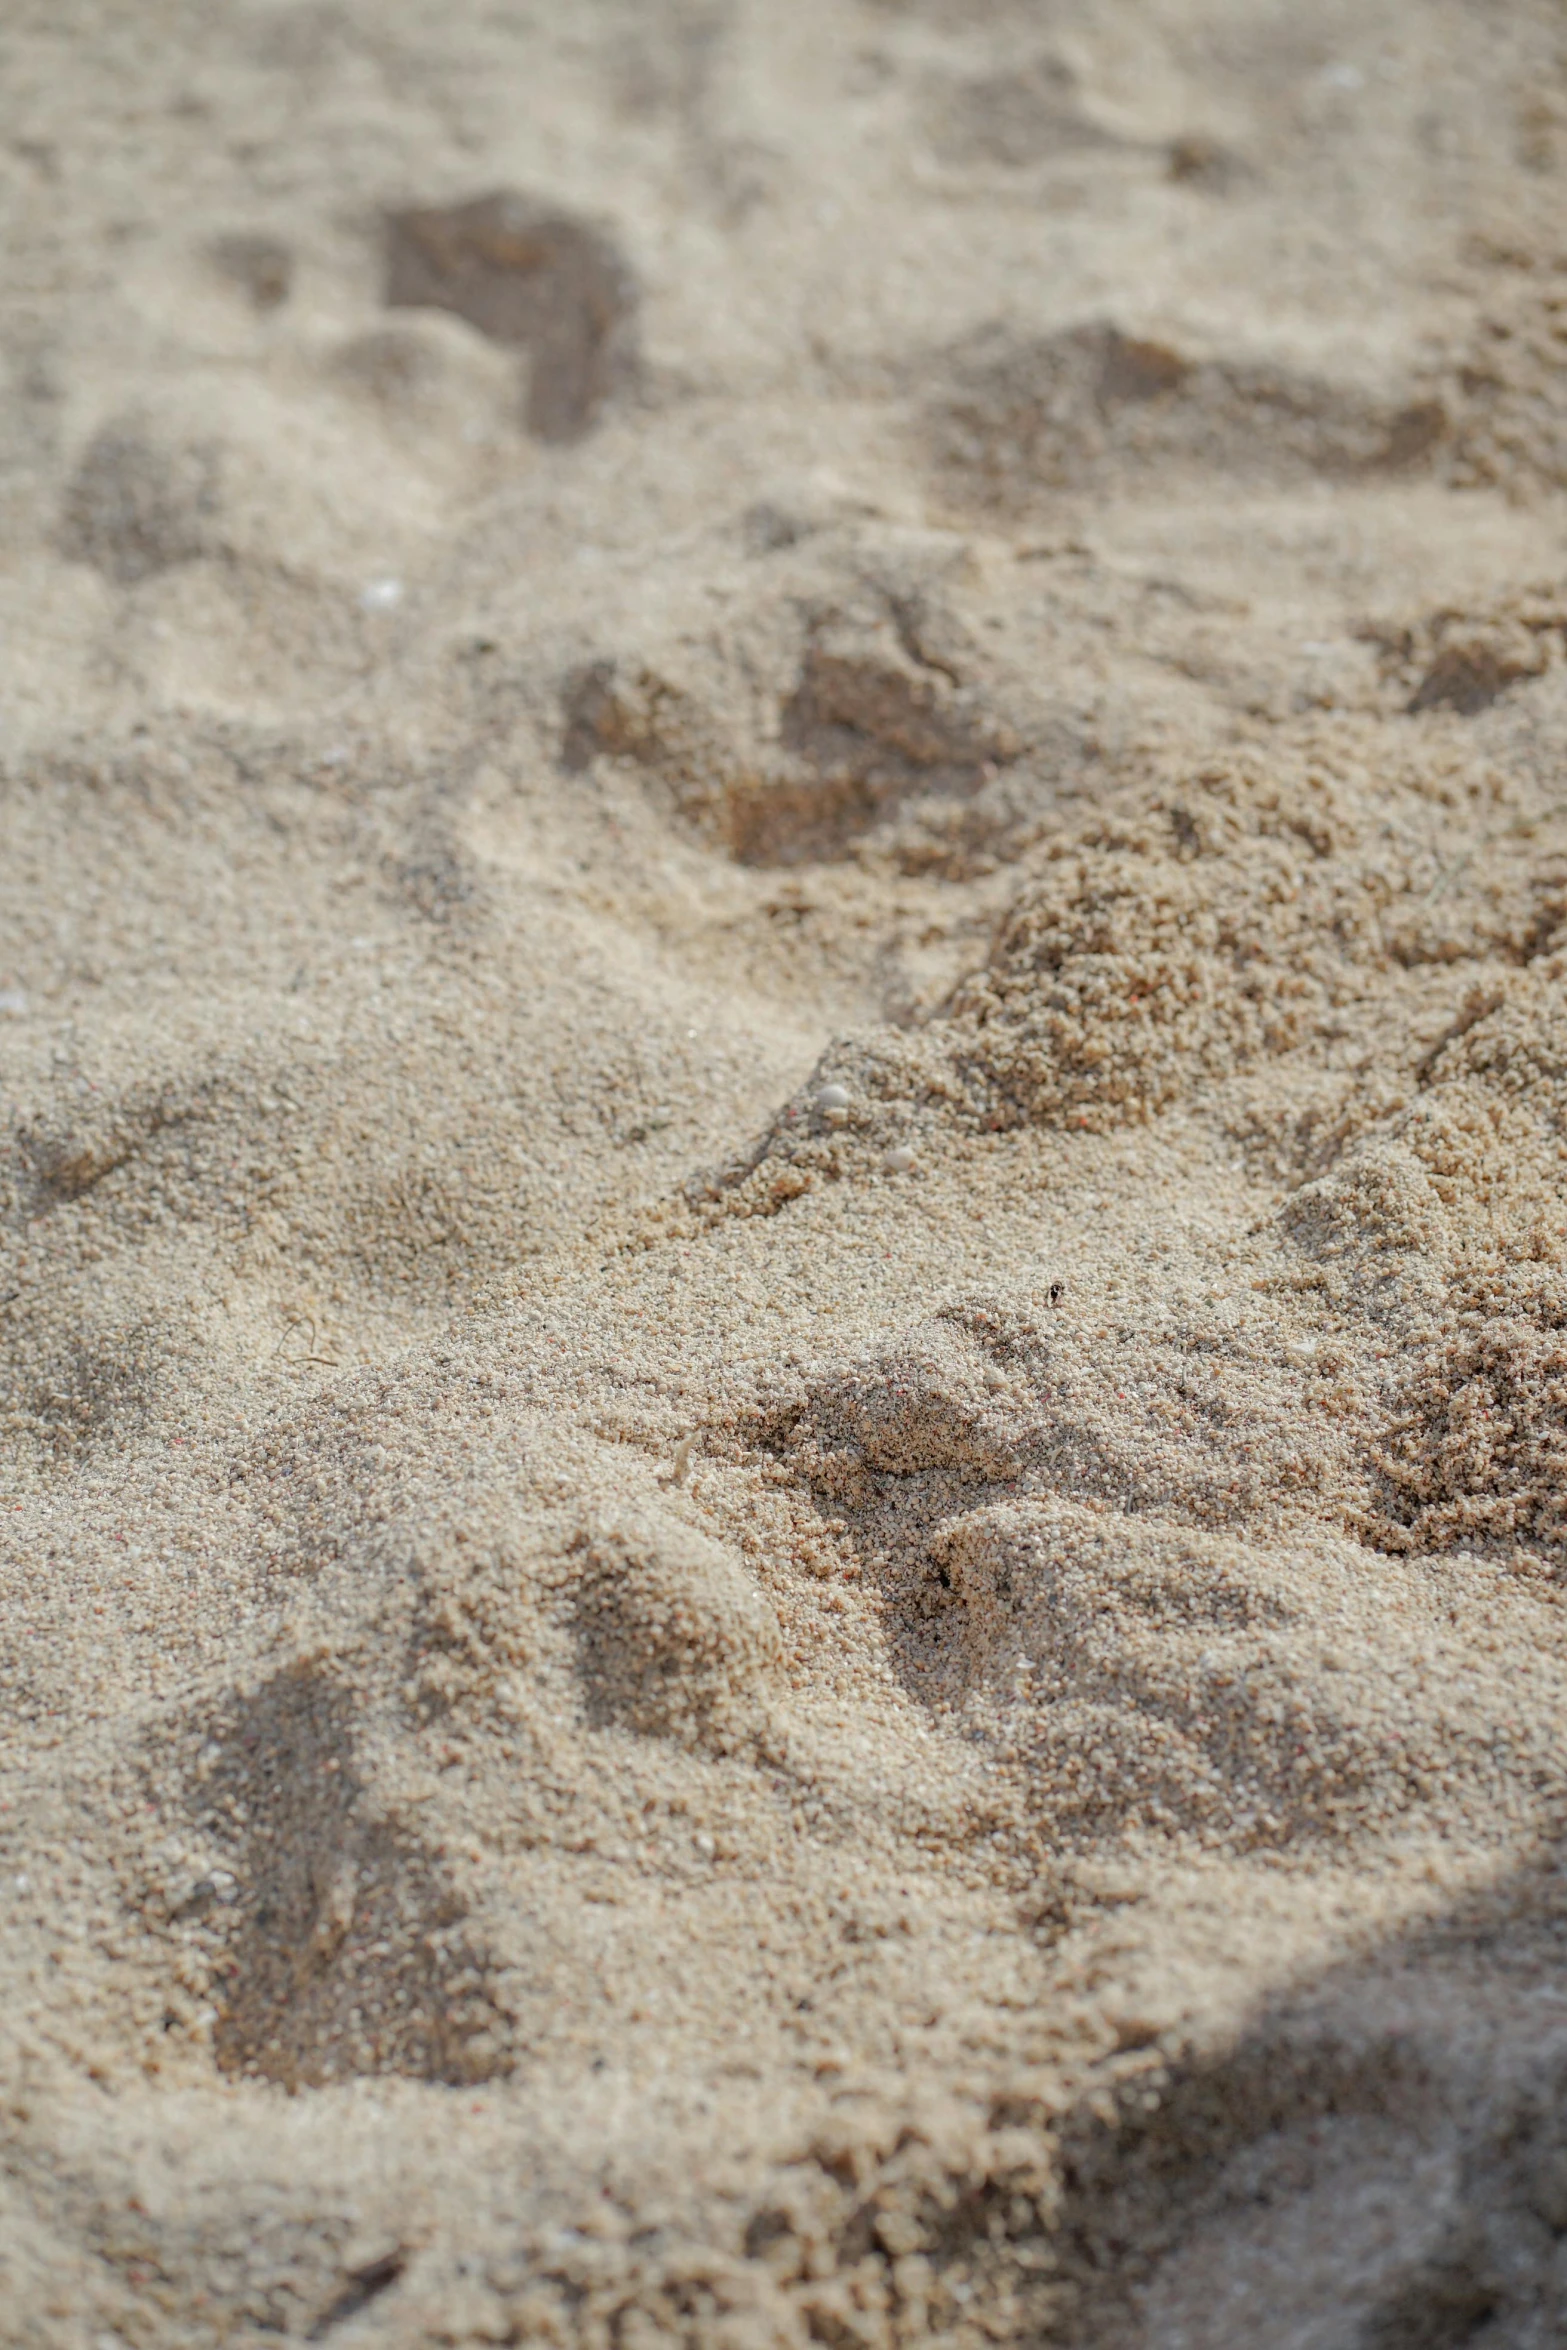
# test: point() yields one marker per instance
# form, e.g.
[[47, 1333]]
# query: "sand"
[[783, 1174]]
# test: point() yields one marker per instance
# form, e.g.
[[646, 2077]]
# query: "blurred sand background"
[[783, 1174]]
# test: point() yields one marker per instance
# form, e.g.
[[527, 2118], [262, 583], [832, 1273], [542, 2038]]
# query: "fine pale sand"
[[783, 1174]]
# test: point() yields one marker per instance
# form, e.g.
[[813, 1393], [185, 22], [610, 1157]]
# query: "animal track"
[[136, 506], [1095, 403], [879, 714], [540, 280], [345, 1951]]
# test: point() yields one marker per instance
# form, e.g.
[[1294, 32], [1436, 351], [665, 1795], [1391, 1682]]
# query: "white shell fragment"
[[832, 1097], [899, 1160]]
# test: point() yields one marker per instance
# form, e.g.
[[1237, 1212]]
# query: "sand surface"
[[783, 1174]]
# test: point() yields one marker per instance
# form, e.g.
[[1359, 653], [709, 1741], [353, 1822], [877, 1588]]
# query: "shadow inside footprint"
[[346, 1949], [540, 280], [137, 504]]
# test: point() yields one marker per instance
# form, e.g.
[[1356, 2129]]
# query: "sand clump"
[[782, 1185]]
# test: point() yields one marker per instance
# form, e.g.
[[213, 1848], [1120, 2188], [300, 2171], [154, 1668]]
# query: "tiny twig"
[[328, 1362]]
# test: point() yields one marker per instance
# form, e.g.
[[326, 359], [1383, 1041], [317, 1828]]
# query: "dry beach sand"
[[783, 1174]]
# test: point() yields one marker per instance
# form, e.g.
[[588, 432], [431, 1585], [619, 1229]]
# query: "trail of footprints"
[[1212, 938]]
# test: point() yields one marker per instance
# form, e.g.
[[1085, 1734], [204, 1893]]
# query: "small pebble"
[[13, 1002], [832, 1097], [899, 1161], [382, 595]]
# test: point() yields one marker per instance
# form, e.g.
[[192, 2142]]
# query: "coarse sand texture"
[[783, 1175]]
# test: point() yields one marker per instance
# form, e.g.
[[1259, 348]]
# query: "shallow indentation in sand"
[[782, 1206], [339, 1951], [524, 274], [135, 506]]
